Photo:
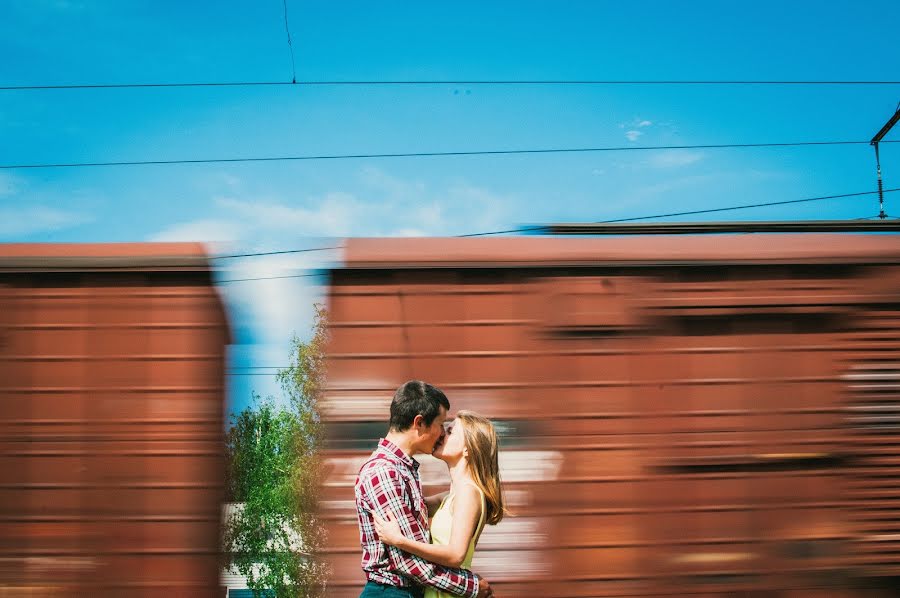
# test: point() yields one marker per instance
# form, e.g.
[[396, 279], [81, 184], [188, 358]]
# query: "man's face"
[[431, 436]]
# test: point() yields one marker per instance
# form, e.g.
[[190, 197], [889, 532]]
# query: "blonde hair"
[[483, 462]]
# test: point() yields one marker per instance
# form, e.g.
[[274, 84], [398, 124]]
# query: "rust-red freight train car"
[[693, 415], [111, 419]]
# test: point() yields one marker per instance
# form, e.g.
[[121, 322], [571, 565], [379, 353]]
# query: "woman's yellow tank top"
[[442, 525]]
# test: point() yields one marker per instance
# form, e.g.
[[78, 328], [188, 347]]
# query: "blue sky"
[[264, 206]]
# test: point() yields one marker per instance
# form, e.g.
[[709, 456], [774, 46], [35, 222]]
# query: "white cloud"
[[19, 221], [27, 207], [633, 127], [279, 306], [273, 309], [333, 214], [636, 123], [392, 207], [207, 230], [658, 160], [674, 158], [410, 232]]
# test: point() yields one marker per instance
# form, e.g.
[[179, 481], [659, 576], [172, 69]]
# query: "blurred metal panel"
[[111, 401], [687, 416], [372, 259], [873, 405]]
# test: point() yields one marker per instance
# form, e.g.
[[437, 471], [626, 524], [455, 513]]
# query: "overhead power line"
[[258, 253], [287, 30], [529, 229], [449, 82], [526, 229], [308, 275], [507, 152], [748, 206], [252, 374]]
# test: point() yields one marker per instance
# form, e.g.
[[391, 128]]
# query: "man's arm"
[[466, 514], [386, 493]]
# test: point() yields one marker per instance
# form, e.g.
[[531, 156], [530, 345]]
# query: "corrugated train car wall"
[[111, 420], [692, 416]]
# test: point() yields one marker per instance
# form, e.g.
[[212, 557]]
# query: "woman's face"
[[451, 449]]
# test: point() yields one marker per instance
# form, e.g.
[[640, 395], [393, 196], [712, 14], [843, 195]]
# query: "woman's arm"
[[434, 502], [466, 513]]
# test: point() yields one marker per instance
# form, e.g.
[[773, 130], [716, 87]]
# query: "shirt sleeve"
[[388, 493]]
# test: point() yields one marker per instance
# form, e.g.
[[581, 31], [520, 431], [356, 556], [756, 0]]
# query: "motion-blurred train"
[[706, 415], [112, 373]]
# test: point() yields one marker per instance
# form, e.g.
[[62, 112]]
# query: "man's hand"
[[484, 588], [388, 530]]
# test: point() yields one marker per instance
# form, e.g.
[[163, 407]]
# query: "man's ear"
[[418, 421]]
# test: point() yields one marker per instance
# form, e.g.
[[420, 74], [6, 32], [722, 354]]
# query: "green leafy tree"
[[273, 533]]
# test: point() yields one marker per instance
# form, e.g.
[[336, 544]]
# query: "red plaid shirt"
[[389, 482]]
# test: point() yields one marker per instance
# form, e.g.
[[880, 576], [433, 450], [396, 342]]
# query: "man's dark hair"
[[416, 398]]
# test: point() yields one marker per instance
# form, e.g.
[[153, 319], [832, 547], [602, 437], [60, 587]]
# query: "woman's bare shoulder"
[[467, 497]]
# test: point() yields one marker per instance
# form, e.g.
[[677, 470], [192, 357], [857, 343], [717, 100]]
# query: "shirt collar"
[[388, 448]]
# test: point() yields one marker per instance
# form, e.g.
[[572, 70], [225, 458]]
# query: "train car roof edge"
[[34, 257], [436, 252]]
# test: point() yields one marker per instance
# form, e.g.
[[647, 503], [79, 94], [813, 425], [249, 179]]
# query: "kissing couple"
[[403, 556]]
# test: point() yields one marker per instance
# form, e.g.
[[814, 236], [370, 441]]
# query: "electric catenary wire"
[[504, 152], [287, 30], [442, 82]]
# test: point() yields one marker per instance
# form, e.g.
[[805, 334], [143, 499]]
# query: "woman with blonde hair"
[[470, 450]]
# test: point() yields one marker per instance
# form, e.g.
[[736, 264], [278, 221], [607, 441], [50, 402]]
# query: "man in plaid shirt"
[[389, 483]]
